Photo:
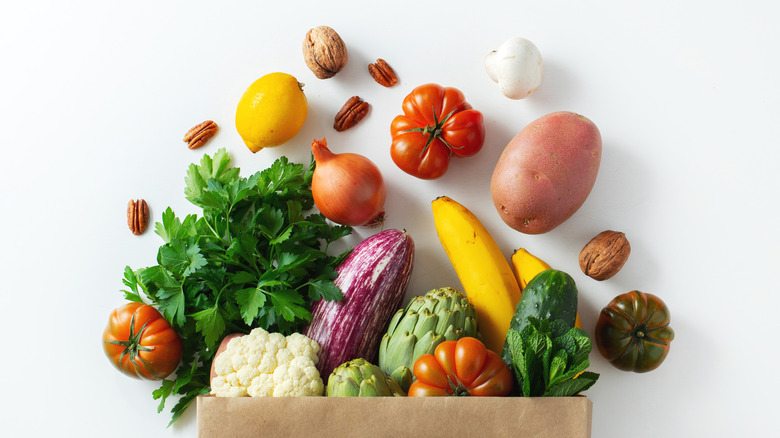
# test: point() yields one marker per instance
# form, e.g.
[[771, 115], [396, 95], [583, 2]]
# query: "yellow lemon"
[[271, 111]]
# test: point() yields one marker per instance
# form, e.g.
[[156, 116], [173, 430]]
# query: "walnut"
[[604, 255], [324, 52]]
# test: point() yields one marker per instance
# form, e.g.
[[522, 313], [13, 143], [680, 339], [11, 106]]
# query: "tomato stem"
[[434, 132], [458, 389], [133, 343]]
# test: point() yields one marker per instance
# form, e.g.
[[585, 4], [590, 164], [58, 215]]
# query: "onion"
[[347, 188]]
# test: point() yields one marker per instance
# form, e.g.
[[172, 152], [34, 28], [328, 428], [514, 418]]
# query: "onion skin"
[[347, 188]]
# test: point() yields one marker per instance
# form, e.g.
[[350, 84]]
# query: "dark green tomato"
[[633, 332]]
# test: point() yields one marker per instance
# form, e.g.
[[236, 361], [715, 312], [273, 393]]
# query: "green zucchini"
[[550, 295]]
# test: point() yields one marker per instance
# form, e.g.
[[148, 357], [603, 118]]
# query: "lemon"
[[271, 111]]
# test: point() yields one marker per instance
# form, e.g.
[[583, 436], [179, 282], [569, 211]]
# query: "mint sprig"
[[550, 359]]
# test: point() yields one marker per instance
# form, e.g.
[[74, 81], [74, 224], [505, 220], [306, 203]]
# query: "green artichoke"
[[440, 315], [360, 378]]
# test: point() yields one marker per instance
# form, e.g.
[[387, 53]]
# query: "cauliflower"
[[263, 364]]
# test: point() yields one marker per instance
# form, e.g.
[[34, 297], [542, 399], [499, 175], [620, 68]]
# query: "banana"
[[526, 267], [484, 272]]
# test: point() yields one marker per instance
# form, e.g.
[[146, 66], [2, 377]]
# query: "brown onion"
[[347, 188]]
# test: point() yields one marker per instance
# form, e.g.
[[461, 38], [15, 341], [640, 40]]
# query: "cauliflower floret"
[[221, 388], [263, 364], [262, 385], [298, 378], [305, 346]]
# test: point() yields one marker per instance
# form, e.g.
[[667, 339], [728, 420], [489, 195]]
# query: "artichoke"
[[440, 315], [360, 378]]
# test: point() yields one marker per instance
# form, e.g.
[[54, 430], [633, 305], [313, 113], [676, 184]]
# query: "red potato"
[[222, 347], [546, 172]]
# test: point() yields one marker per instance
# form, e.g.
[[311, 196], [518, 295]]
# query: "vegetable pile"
[[256, 257], [248, 299]]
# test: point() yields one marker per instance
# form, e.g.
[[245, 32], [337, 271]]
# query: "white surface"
[[94, 100]]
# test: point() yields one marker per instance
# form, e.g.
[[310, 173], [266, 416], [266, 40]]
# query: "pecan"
[[350, 114], [199, 134], [382, 73], [604, 255], [137, 216]]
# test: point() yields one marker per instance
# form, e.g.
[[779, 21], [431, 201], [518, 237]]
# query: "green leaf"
[[288, 261], [324, 289], [162, 393], [172, 306], [269, 221], [558, 328], [289, 305], [170, 294], [185, 374], [217, 169], [210, 323], [131, 281], [335, 233], [243, 277], [214, 197], [250, 300], [571, 372], [517, 354], [181, 257], [584, 345], [294, 212], [281, 176], [572, 387], [168, 229], [538, 342], [557, 366], [282, 236], [243, 188], [244, 246], [184, 402]]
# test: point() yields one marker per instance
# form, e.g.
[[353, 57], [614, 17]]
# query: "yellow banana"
[[526, 267], [483, 270]]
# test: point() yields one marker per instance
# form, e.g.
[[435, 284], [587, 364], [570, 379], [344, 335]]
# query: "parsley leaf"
[[210, 323], [255, 256], [182, 257], [324, 289]]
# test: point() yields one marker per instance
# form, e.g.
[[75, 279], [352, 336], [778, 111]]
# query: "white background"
[[95, 98]]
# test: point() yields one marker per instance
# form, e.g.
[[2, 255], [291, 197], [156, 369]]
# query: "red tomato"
[[437, 123], [463, 367], [139, 341]]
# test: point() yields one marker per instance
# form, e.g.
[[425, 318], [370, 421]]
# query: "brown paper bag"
[[395, 417]]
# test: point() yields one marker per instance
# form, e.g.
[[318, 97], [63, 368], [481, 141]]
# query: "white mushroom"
[[516, 66]]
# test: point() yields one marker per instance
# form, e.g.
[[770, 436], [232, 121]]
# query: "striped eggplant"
[[373, 279]]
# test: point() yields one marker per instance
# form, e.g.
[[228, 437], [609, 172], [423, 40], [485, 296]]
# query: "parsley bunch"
[[254, 258], [549, 359]]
